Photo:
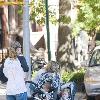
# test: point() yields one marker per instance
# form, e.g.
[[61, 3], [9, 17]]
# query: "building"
[[10, 25]]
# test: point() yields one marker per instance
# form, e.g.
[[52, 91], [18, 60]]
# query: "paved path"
[[2, 91]]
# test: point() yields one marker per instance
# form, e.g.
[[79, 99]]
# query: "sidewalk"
[[2, 91]]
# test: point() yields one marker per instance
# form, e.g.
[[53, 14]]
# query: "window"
[[95, 59]]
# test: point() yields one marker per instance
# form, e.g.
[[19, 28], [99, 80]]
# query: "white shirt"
[[15, 74]]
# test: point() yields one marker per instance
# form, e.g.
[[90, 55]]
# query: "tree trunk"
[[11, 22], [64, 53]]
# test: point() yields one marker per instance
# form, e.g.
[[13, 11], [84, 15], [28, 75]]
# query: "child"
[[65, 94]]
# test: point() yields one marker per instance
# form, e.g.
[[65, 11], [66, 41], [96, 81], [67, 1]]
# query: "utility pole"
[[26, 35], [47, 28]]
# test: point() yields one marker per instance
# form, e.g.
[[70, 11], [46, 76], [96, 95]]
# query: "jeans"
[[21, 96]]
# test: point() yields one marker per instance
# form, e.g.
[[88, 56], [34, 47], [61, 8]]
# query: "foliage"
[[38, 12], [34, 74], [20, 10], [88, 14], [97, 43], [19, 2], [76, 28], [76, 76], [64, 19]]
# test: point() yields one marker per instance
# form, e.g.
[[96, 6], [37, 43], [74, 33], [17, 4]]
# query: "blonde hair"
[[12, 53], [52, 66], [48, 67]]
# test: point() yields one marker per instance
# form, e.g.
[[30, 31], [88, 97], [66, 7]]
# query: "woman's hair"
[[52, 66], [48, 67], [12, 53]]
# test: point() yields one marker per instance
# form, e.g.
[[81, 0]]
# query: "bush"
[[34, 74], [77, 76]]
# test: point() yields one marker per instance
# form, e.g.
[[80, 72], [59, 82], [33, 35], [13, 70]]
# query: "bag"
[[23, 63]]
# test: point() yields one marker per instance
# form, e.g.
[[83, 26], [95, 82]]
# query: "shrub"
[[76, 76]]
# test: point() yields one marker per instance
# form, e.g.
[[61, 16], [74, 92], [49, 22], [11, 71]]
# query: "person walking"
[[16, 88]]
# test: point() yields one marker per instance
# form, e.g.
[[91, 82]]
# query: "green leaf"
[[89, 14]]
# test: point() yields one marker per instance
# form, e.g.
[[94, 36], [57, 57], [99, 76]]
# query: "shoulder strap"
[[23, 63]]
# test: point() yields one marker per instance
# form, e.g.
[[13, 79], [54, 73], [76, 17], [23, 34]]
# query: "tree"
[[64, 36], [88, 15], [38, 12]]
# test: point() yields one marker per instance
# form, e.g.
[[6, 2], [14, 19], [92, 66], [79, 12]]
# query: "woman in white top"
[[16, 89]]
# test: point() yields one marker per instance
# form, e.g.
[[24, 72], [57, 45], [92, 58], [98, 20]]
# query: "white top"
[[15, 74]]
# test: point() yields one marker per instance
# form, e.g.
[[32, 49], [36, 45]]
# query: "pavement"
[[2, 91], [78, 96]]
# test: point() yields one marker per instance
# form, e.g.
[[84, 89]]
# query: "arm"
[[5, 69]]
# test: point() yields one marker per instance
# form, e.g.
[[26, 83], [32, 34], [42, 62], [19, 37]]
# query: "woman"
[[48, 76], [16, 89], [17, 46]]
